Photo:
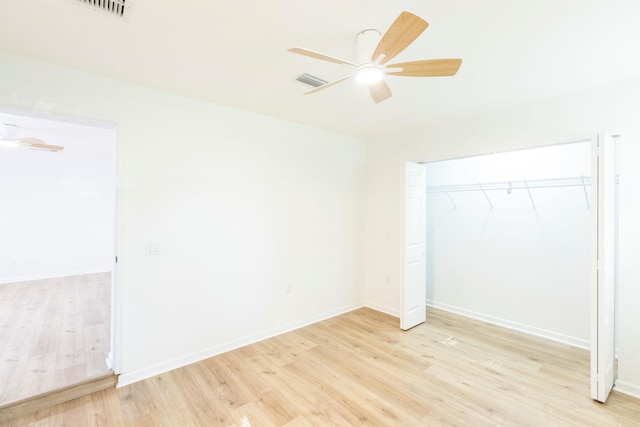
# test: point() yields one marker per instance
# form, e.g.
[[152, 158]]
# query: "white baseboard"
[[624, 387], [382, 309], [51, 276], [127, 378], [554, 336]]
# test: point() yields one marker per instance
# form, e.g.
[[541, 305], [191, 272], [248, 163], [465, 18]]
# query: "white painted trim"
[[142, 374], [509, 324], [412, 287], [109, 360], [53, 276], [386, 310], [629, 389]]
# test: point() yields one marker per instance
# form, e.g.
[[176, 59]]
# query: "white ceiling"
[[234, 52]]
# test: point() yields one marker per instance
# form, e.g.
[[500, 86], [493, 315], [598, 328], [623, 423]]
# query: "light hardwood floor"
[[361, 369], [53, 333]]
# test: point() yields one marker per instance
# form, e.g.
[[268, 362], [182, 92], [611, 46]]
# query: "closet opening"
[[510, 238]]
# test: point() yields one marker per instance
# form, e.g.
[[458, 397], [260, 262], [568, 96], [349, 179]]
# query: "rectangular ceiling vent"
[[112, 7], [311, 80]]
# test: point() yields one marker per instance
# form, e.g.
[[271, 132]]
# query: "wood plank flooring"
[[53, 333], [361, 369]]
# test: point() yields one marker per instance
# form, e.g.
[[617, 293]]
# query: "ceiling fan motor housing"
[[9, 131]]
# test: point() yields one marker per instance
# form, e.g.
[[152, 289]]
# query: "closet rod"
[[579, 181]]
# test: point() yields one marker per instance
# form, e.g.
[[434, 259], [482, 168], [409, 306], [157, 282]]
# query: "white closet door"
[[603, 255], [414, 280]]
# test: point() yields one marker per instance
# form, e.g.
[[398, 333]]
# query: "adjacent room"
[[255, 207], [57, 221]]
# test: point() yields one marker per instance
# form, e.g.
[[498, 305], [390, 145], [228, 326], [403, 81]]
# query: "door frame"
[[112, 360]]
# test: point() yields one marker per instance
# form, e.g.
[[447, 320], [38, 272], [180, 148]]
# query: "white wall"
[[614, 108], [257, 220], [57, 210], [506, 262]]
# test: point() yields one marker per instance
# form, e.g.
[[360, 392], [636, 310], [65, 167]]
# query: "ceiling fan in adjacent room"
[[371, 70], [10, 138]]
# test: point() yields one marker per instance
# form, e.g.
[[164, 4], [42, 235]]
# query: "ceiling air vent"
[[311, 80], [113, 7]]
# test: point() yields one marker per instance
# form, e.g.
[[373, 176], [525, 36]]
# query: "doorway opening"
[[57, 252]]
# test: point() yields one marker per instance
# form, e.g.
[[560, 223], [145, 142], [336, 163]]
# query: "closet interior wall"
[[508, 239]]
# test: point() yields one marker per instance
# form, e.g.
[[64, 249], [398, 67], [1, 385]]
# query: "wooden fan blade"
[[427, 68], [40, 144], [380, 91], [29, 141], [326, 85], [404, 30], [318, 55]]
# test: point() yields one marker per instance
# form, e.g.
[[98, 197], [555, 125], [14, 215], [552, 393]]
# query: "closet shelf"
[[576, 181]]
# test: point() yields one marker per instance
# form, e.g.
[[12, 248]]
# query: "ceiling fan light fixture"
[[369, 74], [371, 62]]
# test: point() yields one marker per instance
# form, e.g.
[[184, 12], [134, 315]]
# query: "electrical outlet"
[[154, 248]]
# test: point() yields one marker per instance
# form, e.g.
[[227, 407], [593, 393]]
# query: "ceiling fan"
[[404, 30], [10, 138]]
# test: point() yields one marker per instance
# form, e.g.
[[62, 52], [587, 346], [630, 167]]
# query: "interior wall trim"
[[627, 388], [509, 324], [383, 309], [126, 378]]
